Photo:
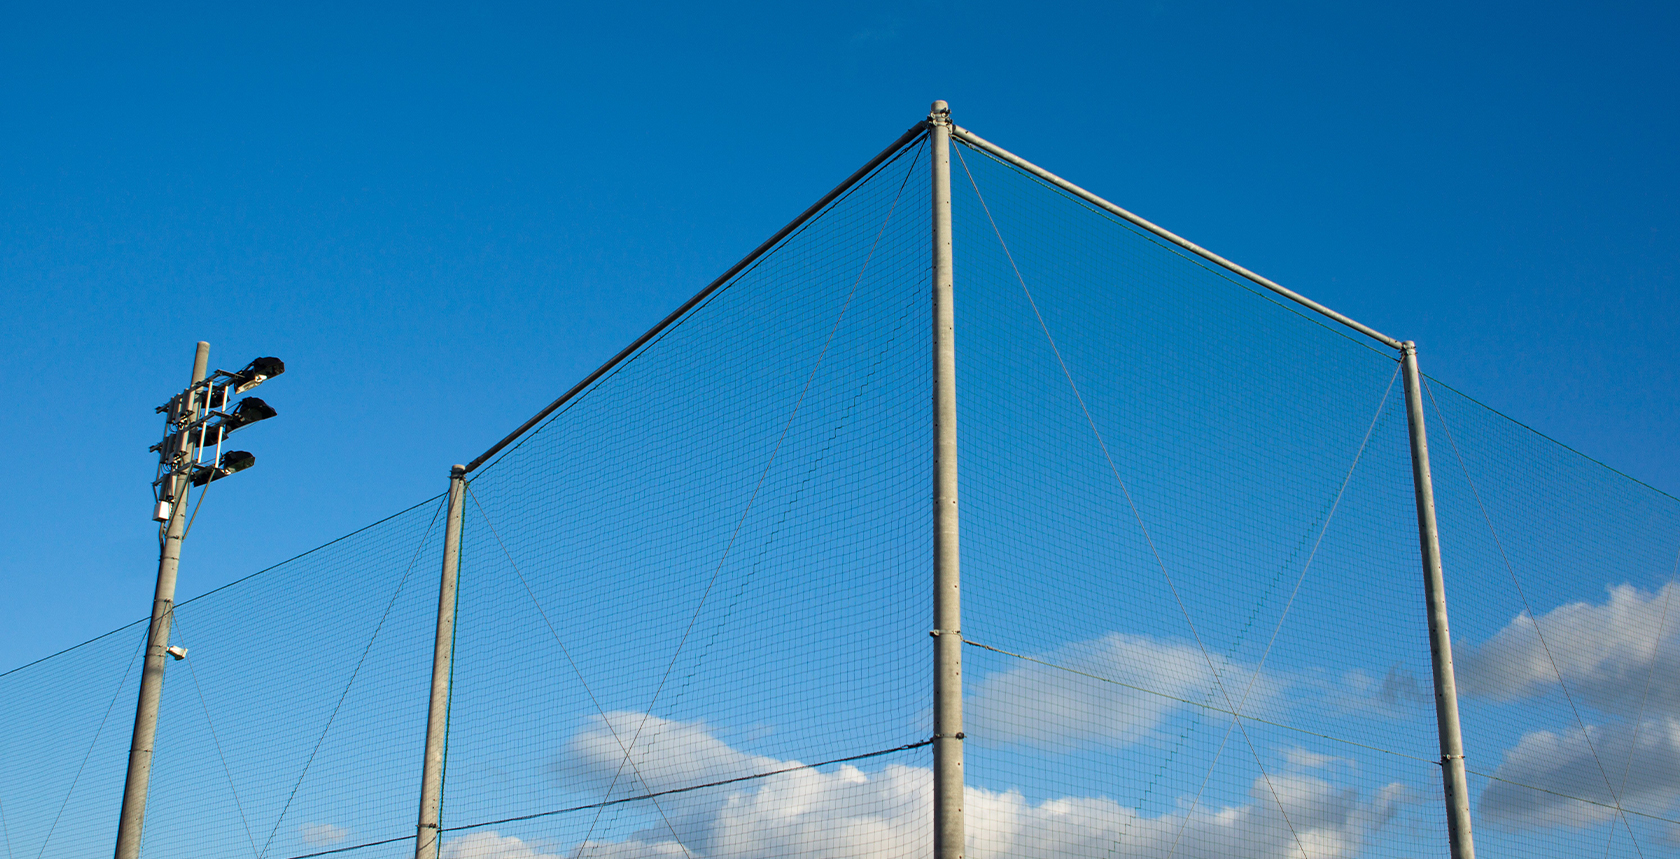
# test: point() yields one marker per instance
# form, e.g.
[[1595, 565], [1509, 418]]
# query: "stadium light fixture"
[[247, 412], [233, 462], [255, 373]]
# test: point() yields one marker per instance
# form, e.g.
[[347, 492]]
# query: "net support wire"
[[905, 139]]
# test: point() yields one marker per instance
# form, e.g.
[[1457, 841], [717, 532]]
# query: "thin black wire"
[[354, 847], [1534, 619], [693, 787], [203, 704], [840, 318], [566, 652], [352, 681], [1581, 799], [95, 741], [1136, 514]]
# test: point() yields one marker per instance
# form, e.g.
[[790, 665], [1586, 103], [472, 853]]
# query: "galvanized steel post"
[[948, 830], [132, 820], [1453, 780], [443, 655]]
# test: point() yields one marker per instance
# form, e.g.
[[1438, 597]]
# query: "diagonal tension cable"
[[1533, 618], [763, 475], [401, 583], [91, 744], [1136, 514], [1324, 529], [214, 740], [566, 652], [1639, 717]]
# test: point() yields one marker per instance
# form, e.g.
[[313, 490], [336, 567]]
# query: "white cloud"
[[1050, 708], [1605, 652], [1303, 759], [1563, 763], [886, 813], [322, 834], [489, 845]]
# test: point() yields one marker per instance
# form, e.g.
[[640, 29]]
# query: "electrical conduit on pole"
[[1456, 787], [948, 830], [132, 821], [443, 655]]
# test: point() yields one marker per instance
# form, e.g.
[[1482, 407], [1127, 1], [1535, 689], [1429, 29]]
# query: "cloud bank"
[[1617, 658], [1049, 708], [1607, 653], [851, 813], [1648, 780]]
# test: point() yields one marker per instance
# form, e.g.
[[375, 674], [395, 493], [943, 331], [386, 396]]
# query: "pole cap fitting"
[[457, 471], [940, 112]]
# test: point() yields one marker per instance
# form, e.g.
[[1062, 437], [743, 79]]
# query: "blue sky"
[[442, 218]]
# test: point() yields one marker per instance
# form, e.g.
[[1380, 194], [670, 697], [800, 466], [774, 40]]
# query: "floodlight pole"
[[426, 841], [132, 821], [948, 829], [1456, 787]]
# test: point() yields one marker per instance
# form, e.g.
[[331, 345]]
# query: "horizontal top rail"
[[905, 139], [1002, 154]]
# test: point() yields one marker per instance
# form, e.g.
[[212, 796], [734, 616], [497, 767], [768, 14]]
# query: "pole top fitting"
[[457, 471], [940, 113], [1408, 347]]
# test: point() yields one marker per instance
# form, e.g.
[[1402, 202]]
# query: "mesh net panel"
[[297, 710], [713, 566], [694, 603], [1561, 577], [63, 754], [1181, 499]]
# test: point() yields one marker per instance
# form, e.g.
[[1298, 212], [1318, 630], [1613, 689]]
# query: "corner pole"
[[443, 657], [948, 831], [131, 823], [1453, 781]]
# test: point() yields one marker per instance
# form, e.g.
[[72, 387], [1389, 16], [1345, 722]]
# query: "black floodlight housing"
[[249, 411], [257, 372], [232, 462]]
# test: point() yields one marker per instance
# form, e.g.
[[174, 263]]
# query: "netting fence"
[[694, 602]]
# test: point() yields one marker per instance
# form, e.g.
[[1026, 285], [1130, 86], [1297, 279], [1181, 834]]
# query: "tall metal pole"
[[443, 656], [948, 829], [1453, 781], [133, 819]]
